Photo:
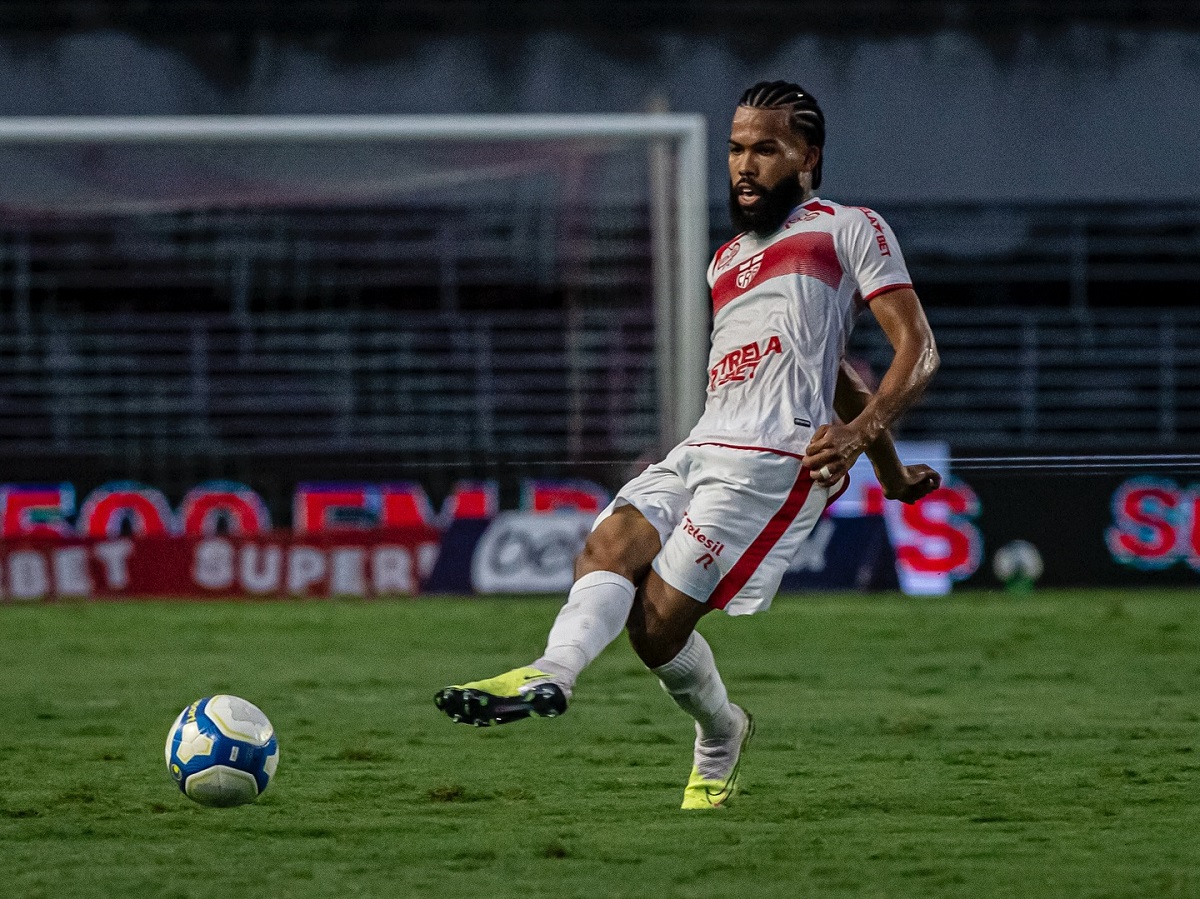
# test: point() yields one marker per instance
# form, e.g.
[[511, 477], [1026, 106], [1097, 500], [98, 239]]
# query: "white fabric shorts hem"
[[730, 520]]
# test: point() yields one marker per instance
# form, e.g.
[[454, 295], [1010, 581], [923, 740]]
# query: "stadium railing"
[[550, 384]]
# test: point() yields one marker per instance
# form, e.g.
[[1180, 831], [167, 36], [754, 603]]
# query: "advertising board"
[[368, 539]]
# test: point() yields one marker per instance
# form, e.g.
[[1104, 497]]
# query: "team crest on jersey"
[[747, 270], [727, 256]]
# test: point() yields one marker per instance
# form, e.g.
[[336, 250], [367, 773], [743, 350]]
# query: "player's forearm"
[[910, 373], [902, 319], [850, 398]]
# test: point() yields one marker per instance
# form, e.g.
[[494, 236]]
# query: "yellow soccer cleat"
[[705, 792], [507, 697]]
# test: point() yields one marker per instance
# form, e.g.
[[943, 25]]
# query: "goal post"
[[677, 195]]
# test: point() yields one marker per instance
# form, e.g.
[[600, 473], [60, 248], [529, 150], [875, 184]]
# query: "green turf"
[[976, 746]]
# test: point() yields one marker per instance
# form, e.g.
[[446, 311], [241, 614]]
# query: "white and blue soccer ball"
[[222, 751]]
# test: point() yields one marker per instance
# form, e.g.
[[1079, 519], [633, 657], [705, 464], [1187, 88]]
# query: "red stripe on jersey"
[[810, 253], [881, 290], [756, 449], [737, 576]]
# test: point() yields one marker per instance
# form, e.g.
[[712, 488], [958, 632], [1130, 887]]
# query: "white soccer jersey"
[[783, 309]]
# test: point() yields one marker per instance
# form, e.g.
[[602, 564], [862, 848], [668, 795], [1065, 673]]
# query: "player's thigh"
[[661, 620], [630, 532], [748, 515]]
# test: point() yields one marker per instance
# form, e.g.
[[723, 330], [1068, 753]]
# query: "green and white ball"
[[222, 751], [1018, 565]]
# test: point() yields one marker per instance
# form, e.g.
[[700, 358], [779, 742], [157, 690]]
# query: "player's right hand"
[[832, 451], [910, 483]]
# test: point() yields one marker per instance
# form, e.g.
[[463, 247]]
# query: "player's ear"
[[812, 158]]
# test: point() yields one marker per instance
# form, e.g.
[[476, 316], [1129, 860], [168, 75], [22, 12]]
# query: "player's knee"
[[601, 552], [655, 639], [620, 546], [641, 632]]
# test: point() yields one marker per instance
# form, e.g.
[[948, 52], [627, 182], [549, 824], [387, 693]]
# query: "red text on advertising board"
[[1156, 523]]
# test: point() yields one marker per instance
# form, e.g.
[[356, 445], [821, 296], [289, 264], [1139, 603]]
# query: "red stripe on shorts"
[[737, 576], [834, 497]]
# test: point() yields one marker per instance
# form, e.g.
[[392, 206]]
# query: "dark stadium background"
[[1038, 161]]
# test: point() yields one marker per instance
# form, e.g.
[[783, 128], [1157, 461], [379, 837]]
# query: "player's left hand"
[[832, 451], [910, 483]]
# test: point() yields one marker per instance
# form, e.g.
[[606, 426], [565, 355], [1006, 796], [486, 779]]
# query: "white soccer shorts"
[[730, 520]]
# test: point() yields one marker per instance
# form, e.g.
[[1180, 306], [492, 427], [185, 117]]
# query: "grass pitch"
[[975, 746]]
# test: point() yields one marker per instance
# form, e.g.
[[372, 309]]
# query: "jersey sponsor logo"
[[880, 237], [748, 269], [713, 546], [808, 253], [706, 559], [741, 364], [728, 254]]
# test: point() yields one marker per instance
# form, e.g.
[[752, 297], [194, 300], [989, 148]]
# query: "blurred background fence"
[[574, 386], [459, 337]]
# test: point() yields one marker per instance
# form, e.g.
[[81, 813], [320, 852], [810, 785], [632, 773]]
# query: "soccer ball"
[[222, 751], [1017, 565]]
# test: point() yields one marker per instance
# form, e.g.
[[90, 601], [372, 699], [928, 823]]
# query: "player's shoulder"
[[870, 217], [845, 215], [819, 213], [726, 253], [858, 224]]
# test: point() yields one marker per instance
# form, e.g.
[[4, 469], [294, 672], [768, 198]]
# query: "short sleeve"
[[872, 254]]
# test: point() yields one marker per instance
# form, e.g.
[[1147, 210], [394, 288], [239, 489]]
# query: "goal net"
[[456, 290]]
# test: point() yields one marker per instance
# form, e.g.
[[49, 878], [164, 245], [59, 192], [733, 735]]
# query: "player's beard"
[[773, 207]]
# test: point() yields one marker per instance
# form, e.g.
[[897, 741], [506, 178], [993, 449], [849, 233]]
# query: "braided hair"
[[805, 117]]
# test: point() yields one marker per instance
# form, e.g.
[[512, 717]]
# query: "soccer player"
[[715, 524]]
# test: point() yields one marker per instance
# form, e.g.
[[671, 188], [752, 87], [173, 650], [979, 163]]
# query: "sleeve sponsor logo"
[[741, 364], [880, 236]]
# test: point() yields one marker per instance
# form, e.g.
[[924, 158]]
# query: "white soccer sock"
[[594, 615], [692, 680]]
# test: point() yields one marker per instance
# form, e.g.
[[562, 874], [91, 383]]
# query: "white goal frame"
[[679, 198]]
